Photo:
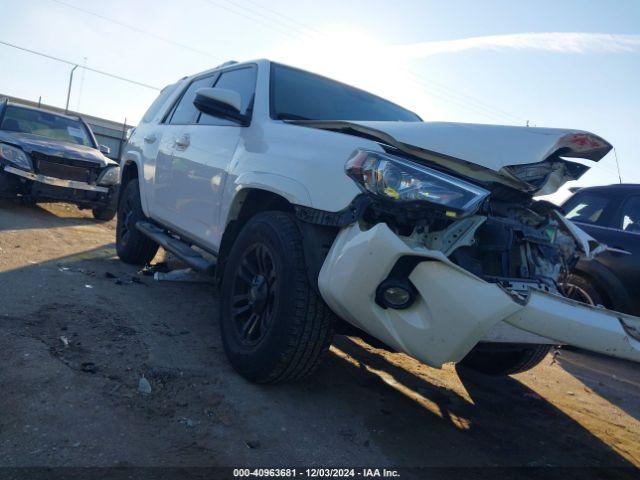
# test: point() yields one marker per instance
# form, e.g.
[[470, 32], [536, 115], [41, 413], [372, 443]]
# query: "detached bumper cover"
[[57, 182], [454, 309]]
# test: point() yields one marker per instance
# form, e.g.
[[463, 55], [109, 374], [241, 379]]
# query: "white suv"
[[320, 208]]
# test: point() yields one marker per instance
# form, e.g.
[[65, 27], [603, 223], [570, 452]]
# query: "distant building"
[[109, 133]]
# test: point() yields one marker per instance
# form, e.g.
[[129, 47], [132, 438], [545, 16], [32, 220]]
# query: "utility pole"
[[66, 109]]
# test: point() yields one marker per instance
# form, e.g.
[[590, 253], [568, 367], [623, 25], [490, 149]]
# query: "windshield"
[[45, 124], [300, 95]]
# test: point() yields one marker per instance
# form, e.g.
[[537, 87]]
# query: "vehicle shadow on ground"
[[21, 216], [394, 411], [623, 377], [502, 416]]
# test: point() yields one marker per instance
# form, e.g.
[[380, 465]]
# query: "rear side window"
[[185, 111], [630, 221], [586, 207], [241, 80], [158, 103]]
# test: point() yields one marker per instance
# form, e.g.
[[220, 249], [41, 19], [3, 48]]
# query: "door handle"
[[183, 141], [149, 139]]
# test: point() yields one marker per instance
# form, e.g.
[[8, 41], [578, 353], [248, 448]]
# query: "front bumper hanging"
[[454, 309]]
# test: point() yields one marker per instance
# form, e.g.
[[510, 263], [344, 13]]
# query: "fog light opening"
[[395, 293]]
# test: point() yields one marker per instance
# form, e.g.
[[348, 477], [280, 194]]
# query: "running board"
[[180, 249]]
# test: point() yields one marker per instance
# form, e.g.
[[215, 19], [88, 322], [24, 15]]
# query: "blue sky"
[[454, 60]]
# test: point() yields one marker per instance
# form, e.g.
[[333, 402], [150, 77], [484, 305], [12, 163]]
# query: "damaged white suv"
[[319, 207]]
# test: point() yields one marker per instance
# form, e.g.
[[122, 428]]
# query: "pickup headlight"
[[16, 156], [111, 176], [400, 181]]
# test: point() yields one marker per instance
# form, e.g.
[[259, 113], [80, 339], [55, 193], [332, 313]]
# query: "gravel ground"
[[74, 344]]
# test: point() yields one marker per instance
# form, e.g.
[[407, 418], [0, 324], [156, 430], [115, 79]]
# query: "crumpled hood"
[[35, 143], [484, 152]]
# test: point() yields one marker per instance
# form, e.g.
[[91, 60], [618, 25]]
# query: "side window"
[[586, 207], [158, 103], [630, 218], [241, 80], [185, 111]]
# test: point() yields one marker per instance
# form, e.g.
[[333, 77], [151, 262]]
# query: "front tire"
[[504, 359], [104, 214], [131, 245], [275, 327]]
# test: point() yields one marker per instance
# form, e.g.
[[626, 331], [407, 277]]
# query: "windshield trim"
[[272, 108], [80, 120]]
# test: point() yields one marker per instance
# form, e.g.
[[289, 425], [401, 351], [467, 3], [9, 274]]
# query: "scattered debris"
[[64, 340], [187, 422], [88, 286], [144, 386], [180, 275], [150, 270], [571, 394], [125, 279], [252, 444], [88, 367]]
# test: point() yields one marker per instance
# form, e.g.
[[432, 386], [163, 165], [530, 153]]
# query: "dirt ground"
[[79, 404]]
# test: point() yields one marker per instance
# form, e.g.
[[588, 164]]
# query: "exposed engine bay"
[[517, 244]]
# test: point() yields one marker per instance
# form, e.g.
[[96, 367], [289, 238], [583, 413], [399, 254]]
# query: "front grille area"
[[60, 168]]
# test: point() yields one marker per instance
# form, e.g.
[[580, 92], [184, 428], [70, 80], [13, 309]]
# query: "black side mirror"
[[220, 102]]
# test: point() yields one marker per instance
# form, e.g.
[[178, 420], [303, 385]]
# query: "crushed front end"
[[39, 176], [433, 263]]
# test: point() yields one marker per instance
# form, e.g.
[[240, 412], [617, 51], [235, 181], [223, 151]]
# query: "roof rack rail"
[[227, 64]]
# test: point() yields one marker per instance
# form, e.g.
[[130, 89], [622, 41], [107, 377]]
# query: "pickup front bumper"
[[454, 309]]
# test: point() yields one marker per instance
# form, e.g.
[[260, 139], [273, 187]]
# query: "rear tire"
[[275, 327], [132, 246], [104, 214], [501, 360]]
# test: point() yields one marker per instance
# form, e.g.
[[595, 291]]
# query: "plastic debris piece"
[[144, 386]]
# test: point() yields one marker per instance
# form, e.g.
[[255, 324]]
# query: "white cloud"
[[551, 42]]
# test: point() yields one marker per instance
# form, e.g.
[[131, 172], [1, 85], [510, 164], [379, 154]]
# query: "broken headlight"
[[16, 156], [398, 180]]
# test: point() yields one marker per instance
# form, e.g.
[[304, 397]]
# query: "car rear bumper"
[[454, 309], [39, 186]]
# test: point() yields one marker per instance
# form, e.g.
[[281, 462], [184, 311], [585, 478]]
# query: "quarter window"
[[185, 111]]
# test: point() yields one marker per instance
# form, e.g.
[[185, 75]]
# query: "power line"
[[450, 95], [68, 62], [443, 93], [262, 21], [136, 29]]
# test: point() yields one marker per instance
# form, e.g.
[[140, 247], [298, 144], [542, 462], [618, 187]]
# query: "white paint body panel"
[[491, 146], [455, 309]]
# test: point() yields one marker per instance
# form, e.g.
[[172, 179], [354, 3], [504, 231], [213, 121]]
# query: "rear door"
[[201, 159]]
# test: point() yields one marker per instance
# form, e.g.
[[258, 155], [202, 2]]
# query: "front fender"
[[294, 191]]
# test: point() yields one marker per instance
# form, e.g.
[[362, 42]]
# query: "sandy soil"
[[79, 404]]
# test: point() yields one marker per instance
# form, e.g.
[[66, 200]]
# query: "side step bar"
[[180, 249]]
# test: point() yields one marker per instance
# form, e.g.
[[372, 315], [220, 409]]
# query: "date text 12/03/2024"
[[316, 472]]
